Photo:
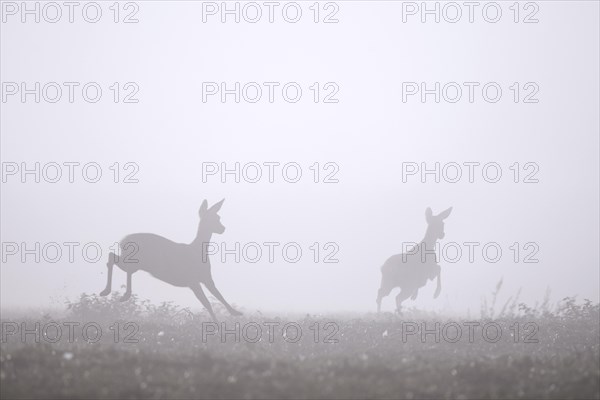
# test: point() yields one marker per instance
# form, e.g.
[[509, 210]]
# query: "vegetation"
[[555, 356]]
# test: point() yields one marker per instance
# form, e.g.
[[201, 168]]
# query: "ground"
[[177, 355]]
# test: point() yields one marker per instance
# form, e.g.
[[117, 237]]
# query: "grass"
[[371, 359]]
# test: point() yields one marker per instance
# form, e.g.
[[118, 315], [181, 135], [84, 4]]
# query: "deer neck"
[[202, 236], [429, 240]]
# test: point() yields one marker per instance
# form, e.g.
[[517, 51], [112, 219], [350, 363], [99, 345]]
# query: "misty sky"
[[369, 134]]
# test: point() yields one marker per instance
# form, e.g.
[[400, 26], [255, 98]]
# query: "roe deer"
[[180, 264], [410, 270]]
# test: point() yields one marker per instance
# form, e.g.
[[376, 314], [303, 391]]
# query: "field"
[[167, 352]]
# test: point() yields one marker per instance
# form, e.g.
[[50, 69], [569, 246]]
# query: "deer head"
[[436, 222], [209, 219]]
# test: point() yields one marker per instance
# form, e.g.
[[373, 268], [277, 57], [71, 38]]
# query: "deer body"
[[175, 263], [410, 271], [179, 264], [401, 272]]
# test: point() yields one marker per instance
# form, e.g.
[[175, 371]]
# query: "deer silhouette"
[[411, 270], [180, 264]]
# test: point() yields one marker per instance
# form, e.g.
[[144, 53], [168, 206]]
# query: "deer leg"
[[415, 294], [439, 285], [213, 289], [127, 294], [403, 295], [109, 264], [381, 293], [197, 289]]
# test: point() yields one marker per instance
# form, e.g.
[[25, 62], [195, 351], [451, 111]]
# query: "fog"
[[369, 136]]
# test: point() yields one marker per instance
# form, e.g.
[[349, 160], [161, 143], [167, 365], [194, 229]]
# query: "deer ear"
[[428, 214], [216, 207], [203, 208], [444, 214]]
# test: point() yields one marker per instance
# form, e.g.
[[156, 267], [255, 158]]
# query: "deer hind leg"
[[438, 289], [213, 289], [127, 294], [403, 295], [109, 264], [197, 289], [415, 294]]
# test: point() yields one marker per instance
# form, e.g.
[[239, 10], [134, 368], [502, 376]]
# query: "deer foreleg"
[[109, 265], [197, 289], [381, 293], [213, 289]]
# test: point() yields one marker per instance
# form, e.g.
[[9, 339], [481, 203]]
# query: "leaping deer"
[[180, 264], [410, 270]]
